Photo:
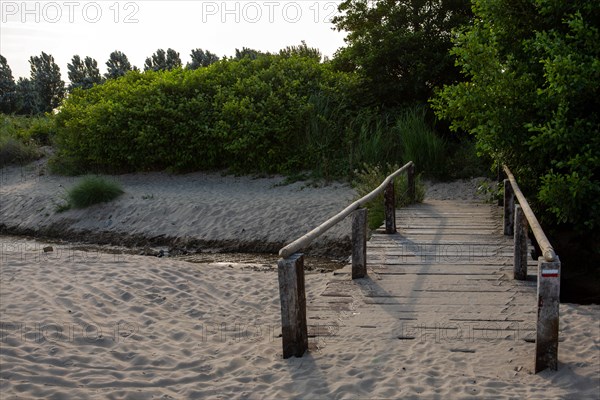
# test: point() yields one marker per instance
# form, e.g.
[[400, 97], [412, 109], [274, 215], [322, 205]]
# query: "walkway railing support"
[[520, 240], [390, 208], [548, 279], [548, 291], [291, 264], [410, 179], [509, 208], [359, 243], [294, 331]]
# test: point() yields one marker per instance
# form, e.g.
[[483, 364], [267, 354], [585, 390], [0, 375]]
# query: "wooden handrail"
[[540, 236], [306, 239]]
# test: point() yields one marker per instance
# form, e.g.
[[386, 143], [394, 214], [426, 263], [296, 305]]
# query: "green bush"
[[14, 151], [16, 144], [92, 190], [39, 129], [269, 114], [371, 176], [530, 98], [247, 115], [42, 130]]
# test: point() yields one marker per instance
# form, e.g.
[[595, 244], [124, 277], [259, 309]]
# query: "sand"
[[87, 324], [192, 212]]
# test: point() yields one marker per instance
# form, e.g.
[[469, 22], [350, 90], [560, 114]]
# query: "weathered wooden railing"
[[517, 218], [294, 329]]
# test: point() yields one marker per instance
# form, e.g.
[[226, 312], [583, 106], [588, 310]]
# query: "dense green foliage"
[[301, 50], [246, 52], [531, 99], [20, 138], [28, 100], [400, 47], [37, 129], [275, 114], [246, 114], [93, 190]]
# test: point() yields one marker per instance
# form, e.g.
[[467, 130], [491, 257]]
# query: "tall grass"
[[14, 151], [374, 141], [419, 142], [17, 145], [340, 140], [325, 139]]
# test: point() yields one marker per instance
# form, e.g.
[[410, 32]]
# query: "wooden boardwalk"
[[447, 271]]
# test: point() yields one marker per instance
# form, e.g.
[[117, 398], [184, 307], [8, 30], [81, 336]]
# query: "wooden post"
[[499, 180], [520, 257], [410, 178], [509, 208], [548, 290], [390, 208], [294, 331], [359, 243]]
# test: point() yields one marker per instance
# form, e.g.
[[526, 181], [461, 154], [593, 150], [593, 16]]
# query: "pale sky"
[[138, 28]]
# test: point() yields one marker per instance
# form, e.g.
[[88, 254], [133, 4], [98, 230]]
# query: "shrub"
[[42, 130], [530, 98], [269, 114], [247, 115], [92, 190], [20, 137], [14, 151], [39, 129]]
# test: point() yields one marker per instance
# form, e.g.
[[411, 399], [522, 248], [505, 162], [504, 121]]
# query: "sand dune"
[[199, 211]]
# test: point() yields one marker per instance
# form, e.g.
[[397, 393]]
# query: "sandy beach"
[[88, 323]]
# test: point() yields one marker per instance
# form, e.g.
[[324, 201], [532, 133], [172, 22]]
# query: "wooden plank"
[[448, 267]]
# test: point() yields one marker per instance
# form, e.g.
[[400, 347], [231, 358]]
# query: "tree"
[[8, 88], [531, 100], [27, 98], [118, 65], [201, 58], [248, 53], [161, 61], [47, 82], [301, 50], [400, 46], [83, 74]]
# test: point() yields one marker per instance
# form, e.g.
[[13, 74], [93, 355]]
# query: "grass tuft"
[[92, 190]]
